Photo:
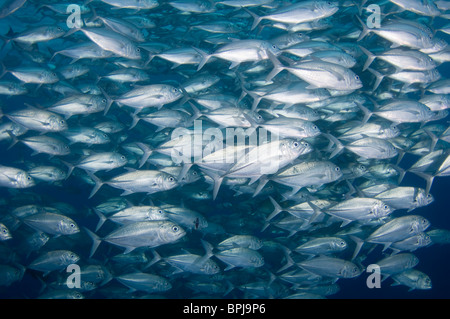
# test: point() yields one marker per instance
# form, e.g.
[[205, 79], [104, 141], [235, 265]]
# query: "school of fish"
[[219, 148]]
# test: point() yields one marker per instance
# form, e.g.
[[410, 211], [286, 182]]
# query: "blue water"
[[434, 260]]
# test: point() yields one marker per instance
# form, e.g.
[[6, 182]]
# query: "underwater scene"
[[224, 149]]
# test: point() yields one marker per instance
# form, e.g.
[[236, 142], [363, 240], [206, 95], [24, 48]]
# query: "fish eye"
[[138, 50], [103, 100], [72, 225], [194, 173], [59, 29], [160, 211], [314, 127], [386, 207], [171, 179], [29, 178], [274, 46], [175, 228], [53, 74], [296, 144], [337, 169], [122, 157], [429, 196], [356, 77]]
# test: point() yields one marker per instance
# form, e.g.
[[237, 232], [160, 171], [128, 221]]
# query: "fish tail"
[[101, 220], [7, 38], [370, 57], [365, 31], [428, 178], [205, 58], [277, 209], [277, 67], [70, 168], [314, 216], [434, 138], [4, 70], [256, 19], [196, 113], [14, 139], [262, 182], [109, 101], [98, 184], [359, 243], [379, 78], [155, 259], [339, 145], [289, 261], [147, 152], [366, 111], [95, 241], [135, 121]]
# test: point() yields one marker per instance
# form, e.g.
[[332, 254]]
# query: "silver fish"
[[148, 234]]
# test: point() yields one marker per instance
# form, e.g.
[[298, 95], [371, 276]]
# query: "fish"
[[113, 42], [155, 95], [397, 263], [241, 51], [191, 263], [38, 120], [12, 177], [5, 234], [299, 13], [133, 214], [324, 245], [233, 149], [52, 224], [240, 257], [330, 267], [48, 173], [148, 181], [414, 279], [53, 260], [140, 281], [398, 229], [140, 234], [247, 241]]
